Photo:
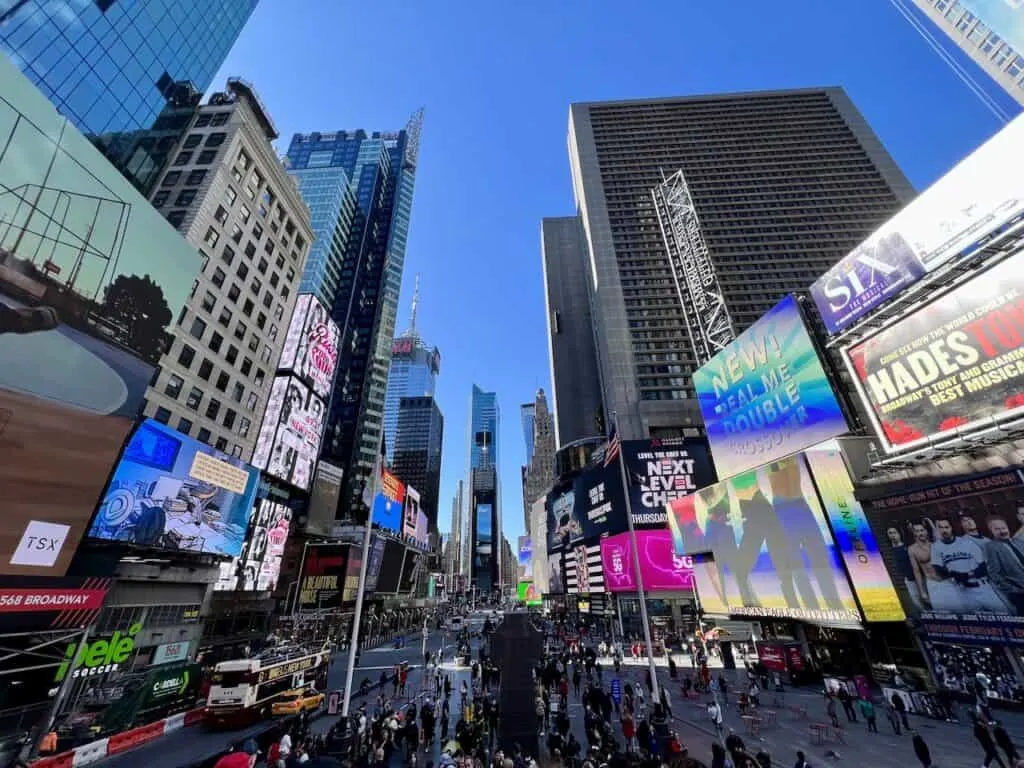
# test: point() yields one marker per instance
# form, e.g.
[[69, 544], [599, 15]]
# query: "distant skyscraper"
[[360, 187], [455, 564], [127, 74], [576, 377], [417, 455], [483, 497], [540, 474], [982, 36], [528, 415], [755, 193]]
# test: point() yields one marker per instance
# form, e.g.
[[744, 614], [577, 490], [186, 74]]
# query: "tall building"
[[454, 565], [361, 185], [413, 374], [983, 38], [417, 455], [699, 214], [227, 192], [483, 495], [540, 474], [576, 396], [528, 416], [127, 74]]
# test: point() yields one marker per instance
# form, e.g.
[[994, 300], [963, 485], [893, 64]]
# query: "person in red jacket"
[[240, 758]]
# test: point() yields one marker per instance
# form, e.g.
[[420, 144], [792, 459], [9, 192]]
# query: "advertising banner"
[[169, 653], [525, 564], [1004, 17], [528, 594], [662, 470], [955, 364], [410, 512], [853, 535], [373, 567], [311, 347], [411, 567], [176, 493], [956, 555], [952, 218], [323, 499], [771, 551], [167, 685], [289, 440], [264, 547], [35, 604], [556, 574], [422, 535], [91, 280], [662, 569], [583, 571], [766, 395], [390, 572], [322, 576], [591, 506], [389, 503]]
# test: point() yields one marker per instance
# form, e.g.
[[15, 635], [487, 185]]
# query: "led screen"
[[484, 513], [411, 511], [525, 565], [91, 281], [772, 554], [289, 439], [310, 349], [556, 574], [422, 534], [661, 568], [766, 395], [264, 546], [980, 197], [661, 470], [586, 508], [373, 566], [410, 569], [324, 567], [528, 594], [389, 502], [583, 571], [173, 492], [390, 567]]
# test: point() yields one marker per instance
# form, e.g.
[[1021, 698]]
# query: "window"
[[225, 317], [285, 292], [220, 118], [248, 307], [273, 333], [256, 286], [260, 375], [195, 397], [262, 266], [174, 385], [218, 277], [278, 312], [203, 120], [236, 233], [320, 158], [162, 415], [244, 161], [216, 139], [209, 301], [279, 262], [186, 356], [212, 236], [174, 218], [250, 191], [261, 321], [227, 255], [229, 418], [240, 331], [232, 354], [257, 231], [252, 401], [222, 382], [237, 392], [183, 158], [193, 140], [274, 279], [198, 327], [222, 444], [204, 435], [268, 300], [156, 376], [231, 195], [207, 156], [236, 451], [246, 366], [243, 271], [212, 408], [195, 178], [215, 342], [269, 248], [160, 198], [234, 292], [245, 213], [267, 352], [171, 179], [243, 427], [185, 197], [221, 215], [254, 343], [250, 250], [184, 425], [205, 370]]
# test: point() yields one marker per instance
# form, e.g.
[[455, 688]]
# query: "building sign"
[[98, 656], [170, 652], [403, 347], [323, 571], [662, 470], [766, 395], [168, 685], [310, 349], [323, 498], [954, 217], [289, 438], [954, 365], [29, 604], [662, 569], [389, 504], [410, 513], [525, 560]]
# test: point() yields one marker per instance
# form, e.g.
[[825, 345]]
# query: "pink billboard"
[[662, 569]]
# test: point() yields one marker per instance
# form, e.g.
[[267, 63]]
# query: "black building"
[[417, 455]]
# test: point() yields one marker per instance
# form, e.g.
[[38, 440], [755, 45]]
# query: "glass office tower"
[[127, 74], [484, 513]]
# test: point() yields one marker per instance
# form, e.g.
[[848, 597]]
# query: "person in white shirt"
[[285, 747]]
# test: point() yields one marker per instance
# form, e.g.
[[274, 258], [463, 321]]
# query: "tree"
[[137, 304]]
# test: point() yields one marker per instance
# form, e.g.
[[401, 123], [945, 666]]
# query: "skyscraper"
[[982, 36], [417, 454], [454, 566], [483, 497], [126, 74], [358, 269], [540, 474], [699, 214], [528, 416]]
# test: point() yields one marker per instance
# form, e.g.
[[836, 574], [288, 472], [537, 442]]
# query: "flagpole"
[[655, 693]]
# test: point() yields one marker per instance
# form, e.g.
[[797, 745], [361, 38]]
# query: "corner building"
[[783, 184]]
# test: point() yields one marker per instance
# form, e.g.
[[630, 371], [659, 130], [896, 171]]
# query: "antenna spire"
[[415, 306]]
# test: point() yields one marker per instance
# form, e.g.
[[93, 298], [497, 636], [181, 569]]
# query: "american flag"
[[614, 447]]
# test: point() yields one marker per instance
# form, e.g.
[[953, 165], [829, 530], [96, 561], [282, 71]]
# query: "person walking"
[[1005, 743], [847, 701], [901, 709], [894, 719], [801, 760], [831, 710], [988, 745], [867, 711]]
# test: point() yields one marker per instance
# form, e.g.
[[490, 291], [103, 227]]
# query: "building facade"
[[454, 561], [359, 275], [778, 185], [483, 513], [228, 194], [417, 455], [540, 474], [127, 75], [979, 37], [528, 415], [575, 375]]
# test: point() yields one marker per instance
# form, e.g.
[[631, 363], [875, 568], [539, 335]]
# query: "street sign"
[[617, 691], [333, 701]]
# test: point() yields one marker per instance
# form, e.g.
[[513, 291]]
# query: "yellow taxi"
[[294, 702]]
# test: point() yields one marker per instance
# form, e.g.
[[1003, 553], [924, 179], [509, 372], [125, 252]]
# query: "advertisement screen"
[[662, 569], [766, 395], [956, 555], [591, 506], [390, 567], [373, 567], [389, 503], [853, 535], [953, 365], [91, 279], [771, 551], [289, 438], [410, 570], [525, 565], [422, 528], [484, 527], [173, 492], [410, 512], [323, 499], [311, 347], [953, 217], [556, 574], [583, 571], [264, 546], [528, 594], [324, 567], [662, 470]]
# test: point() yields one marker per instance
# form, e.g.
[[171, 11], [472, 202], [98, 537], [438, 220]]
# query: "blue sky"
[[496, 79]]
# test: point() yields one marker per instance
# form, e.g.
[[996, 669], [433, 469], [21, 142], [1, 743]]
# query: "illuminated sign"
[[99, 656], [403, 347]]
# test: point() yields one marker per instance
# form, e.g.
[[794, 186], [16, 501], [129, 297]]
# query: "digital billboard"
[[766, 395], [422, 535], [289, 439], [324, 495], [390, 567], [952, 365], [853, 535], [588, 507], [389, 502], [322, 576], [955, 216], [661, 470], [411, 567], [771, 551], [91, 280], [528, 594], [584, 573], [410, 512], [374, 563], [173, 492], [956, 555], [662, 569], [264, 546], [310, 348], [556, 574], [525, 562]]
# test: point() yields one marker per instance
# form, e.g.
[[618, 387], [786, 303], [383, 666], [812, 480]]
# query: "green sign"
[[170, 684], [99, 656]]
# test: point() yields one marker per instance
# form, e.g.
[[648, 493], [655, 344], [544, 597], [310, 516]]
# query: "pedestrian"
[[894, 718], [922, 751], [801, 760], [763, 758], [988, 745], [867, 709], [901, 709], [541, 710], [715, 716], [1005, 743], [847, 701], [831, 710], [718, 759]]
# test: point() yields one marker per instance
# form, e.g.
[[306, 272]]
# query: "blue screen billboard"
[[389, 502], [173, 492], [766, 395]]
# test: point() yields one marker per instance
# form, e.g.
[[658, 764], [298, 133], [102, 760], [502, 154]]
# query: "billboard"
[[956, 555], [528, 594], [322, 576], [389, 502], [956, 215], [324, 495], [289, 440], [854, 539], [264, 546], [771, 551], [584, 573], [373, 567], [310, 348], [410, 512], [556, 574], [411, 566], [588, 507], [91, 280], [173, 492], [662, 569], [29, 604], [766, 395], [525, 562], [1004, 17], [661, 470], [952, 365], [390, 571]]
